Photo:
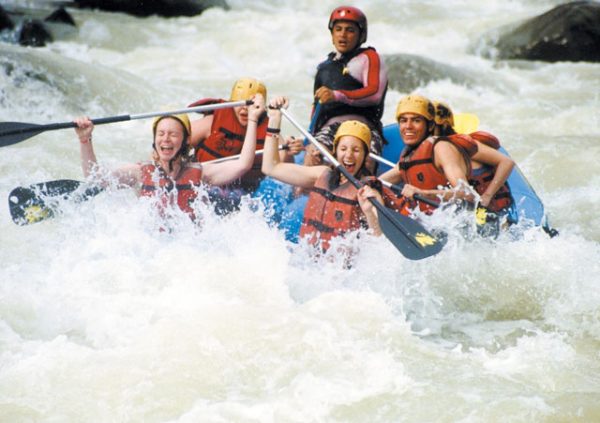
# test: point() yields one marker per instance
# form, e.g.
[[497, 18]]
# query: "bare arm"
[[201, 129], [503, 164], [393, 175], [451, 162], [290, 173], [226, 172], [293, 147], [84, 130], [128, 174], [363, 195]]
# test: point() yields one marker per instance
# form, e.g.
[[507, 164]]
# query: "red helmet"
[[352, 14]]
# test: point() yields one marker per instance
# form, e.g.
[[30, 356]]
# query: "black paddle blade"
[[15, 132], [407, 235], [38, 202]]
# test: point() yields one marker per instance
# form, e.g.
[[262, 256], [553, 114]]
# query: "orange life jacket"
[[397, 202], [480, 178], [486, 138], [226, 139], [417, 167], [156, 182], [330, 213]]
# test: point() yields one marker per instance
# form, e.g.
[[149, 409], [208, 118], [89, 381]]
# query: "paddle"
[[407, 235], [465, 123], [37, 202], [40, 201], [15, 132]]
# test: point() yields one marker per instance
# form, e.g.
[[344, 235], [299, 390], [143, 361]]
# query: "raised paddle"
[[407, 235], [41, 201], [15, 132]]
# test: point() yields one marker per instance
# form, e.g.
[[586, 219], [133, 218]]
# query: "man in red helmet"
[[352, 82]]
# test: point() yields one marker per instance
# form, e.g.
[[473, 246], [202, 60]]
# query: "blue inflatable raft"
[[287, 211]]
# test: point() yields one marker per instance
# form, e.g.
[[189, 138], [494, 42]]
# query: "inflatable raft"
[[286, 211]]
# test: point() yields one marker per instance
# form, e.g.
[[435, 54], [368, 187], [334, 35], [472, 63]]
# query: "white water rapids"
[[105, 319]]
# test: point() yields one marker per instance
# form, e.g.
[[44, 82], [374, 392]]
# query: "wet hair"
[[184, 151], [443, 130]]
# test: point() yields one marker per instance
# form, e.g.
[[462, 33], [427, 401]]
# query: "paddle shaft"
[[313, 121], [398, 188], [25, 128], [237, 156]]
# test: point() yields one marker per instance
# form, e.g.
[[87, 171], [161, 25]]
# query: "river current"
[[104, 318]]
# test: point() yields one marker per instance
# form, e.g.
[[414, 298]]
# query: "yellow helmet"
[[415, 104], [246, 88], [356, 129], [443, 114], [183, 118]]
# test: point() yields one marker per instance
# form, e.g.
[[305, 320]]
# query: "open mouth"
[[350, 167], [167, 149]]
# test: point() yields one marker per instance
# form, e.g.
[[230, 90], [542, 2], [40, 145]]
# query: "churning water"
[[104, 318]]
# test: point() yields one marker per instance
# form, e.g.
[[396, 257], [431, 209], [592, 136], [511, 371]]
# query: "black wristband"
[[273, 130]]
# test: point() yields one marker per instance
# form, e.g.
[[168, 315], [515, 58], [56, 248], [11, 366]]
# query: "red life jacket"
[[330, 213], [226, 139], [486, 138], [480, 178], [417, 167], [156, 182], [399, 203]]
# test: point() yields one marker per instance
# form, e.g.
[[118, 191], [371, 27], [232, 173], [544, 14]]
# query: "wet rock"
[[5, 21], [569, 32], [33, 33], [166, 8], [60, 15], [35, 26], [406, 72]]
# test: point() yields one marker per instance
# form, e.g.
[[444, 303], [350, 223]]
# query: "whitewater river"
[[104, 318]]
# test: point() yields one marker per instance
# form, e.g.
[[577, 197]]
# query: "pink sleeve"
[[368, 69]]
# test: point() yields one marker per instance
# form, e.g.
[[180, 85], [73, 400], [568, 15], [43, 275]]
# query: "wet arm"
[[503, 165], [370, 212], [84, 130], [452, 163], [226, 172], [393, 175], [290, 173], [201, 129]]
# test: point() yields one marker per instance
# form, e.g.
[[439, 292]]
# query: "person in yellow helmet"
[[220, 133], [489, 168], [429, 166], [171, 166], [335, 207]]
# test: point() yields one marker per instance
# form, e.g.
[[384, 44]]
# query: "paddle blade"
[[41, 201], [15, 132], [465, 123], [407, 235]]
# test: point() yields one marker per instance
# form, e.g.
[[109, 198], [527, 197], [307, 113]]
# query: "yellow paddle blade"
[[465, 123]]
